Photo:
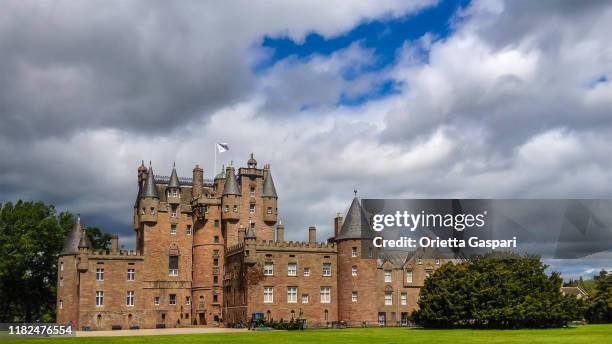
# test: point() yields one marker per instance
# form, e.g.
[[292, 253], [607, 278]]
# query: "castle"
[[212, 252]]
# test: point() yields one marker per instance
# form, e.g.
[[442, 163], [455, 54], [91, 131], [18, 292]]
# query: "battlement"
[[121, 254], [184, 181]]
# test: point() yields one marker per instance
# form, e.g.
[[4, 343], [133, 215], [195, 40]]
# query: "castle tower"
[[72, 258], [173, 191], [270, 198], [149, 199], [230, 207], [355, 251]]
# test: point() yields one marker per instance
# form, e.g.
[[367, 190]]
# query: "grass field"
[[581, 334]]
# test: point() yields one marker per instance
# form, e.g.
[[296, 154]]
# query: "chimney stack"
[[337, 224], [198, 181], [241, 234], [280, 231], [312, 234], [114, 243]]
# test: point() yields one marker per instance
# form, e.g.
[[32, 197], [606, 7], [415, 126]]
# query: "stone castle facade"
[[212, 253]]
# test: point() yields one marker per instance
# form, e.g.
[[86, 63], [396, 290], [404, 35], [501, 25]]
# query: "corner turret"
[[230, 202], [270, 198], [148, 203], [173, 191]]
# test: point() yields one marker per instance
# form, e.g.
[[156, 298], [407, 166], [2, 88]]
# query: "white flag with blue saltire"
[[222, 147]]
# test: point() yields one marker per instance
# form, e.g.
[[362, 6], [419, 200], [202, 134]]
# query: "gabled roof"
[[356, 225], [174, 180], [268, 186], [149, 189], [231, 185], [71, 246]]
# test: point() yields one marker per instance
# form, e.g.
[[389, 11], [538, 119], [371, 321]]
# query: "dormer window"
[[173, 192]]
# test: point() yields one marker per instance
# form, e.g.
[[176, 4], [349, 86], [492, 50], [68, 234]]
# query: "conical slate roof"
[[71, 246], [150, 190], [221, 175], [231, 185], [174, 181], [268, 186], [356, 225]]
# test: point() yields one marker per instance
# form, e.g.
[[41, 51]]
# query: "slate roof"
[[231, 185], [356, 225], [71, 246], [149, 189], [268, 186]]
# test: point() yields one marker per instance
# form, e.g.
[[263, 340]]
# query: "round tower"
[[148, 203], [270, 198], [356, 253]]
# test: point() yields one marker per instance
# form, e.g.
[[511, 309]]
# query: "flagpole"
[[215, 170]]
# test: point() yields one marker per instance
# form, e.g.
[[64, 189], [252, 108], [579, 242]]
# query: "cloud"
[[89, 89]]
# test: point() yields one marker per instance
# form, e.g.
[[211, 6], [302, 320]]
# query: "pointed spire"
[[84, 241], [174, 181], [150, 190], [268, 186], [231, 185], [71, 246], [356, 224]]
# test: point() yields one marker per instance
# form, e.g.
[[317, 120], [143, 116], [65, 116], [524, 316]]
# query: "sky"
[[394, 98]]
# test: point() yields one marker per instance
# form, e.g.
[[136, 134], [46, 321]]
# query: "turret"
[[230, 202], [149, 199], [84, 247], [354, 242], [173, 191], [270, 198]]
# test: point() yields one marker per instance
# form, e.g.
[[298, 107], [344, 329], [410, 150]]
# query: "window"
[[269, 269], [61, 266], [216, 239], [292, 269], [61, 304], [408, 276], [404, 299], [428, 273], [173, 193], [382, 318], [226, 208], [215, 280], [305, 298], [188, 230], [235, 208], [353, 251], [156, 301], [216, 262], [99, 274], [173, 213], [326, 269], [354, 296], [268, 294], [325, 294], [252, 192], [99, 298], [130, 299], [269, 210], [131, 274], [388, 298], [216, 223], [187, 300], [437, 261], [173, 229], [215, 298], [251, 208], [152, 211], [388, 277], [173, 265], [172, 299], [420, 260], [292, 294], [354, 270], [306, 272]]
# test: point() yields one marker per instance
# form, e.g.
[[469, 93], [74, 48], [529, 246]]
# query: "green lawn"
[[581, 334]]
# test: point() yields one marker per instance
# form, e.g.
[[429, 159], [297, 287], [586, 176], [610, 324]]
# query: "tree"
[[32, 235], [98, 239], [502, 290], [600, 305]]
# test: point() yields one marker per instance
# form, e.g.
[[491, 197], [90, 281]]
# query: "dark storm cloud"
[[145, 68]]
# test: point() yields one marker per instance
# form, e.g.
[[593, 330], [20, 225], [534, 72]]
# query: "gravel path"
[[158, 332]]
